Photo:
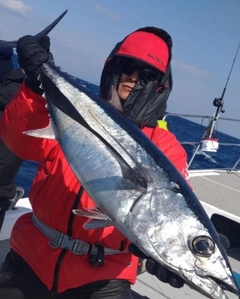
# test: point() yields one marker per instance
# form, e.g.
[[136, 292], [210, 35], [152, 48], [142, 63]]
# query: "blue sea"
[[226, 156]]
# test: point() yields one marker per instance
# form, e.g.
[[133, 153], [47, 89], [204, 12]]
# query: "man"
[[36, 266], [10, 81]]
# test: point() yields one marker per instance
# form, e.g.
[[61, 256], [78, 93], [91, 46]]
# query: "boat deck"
[[218, 188]]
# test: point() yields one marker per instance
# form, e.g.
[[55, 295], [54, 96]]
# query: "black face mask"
[[142, 105]]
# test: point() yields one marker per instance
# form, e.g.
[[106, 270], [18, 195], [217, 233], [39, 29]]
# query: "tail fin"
[[45, 31]]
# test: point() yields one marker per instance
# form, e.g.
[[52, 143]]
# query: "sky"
[[205, 33]]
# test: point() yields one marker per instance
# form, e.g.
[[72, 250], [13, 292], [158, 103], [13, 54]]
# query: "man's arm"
[[27, 111], [9, 86], [9, 162]]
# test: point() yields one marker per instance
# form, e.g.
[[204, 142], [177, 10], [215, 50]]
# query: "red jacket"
[[53, 196]]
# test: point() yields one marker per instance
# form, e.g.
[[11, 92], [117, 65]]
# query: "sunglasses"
[[129, 66]]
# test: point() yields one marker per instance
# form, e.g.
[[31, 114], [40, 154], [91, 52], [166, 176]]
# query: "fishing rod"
[[208, 142], [218, 102]]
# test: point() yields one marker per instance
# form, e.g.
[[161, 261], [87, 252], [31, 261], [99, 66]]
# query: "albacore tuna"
[[135, 187]]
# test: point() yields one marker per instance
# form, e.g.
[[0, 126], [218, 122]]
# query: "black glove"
[[31, 55], [45, 43], [164, 274], [158, 270]]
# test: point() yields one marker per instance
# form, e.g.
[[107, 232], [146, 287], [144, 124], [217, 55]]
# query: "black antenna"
[[218, 102]]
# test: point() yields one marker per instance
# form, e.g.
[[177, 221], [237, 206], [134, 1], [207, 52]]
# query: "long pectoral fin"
[[47, 132], [97, 218], [94, 213], [96, 223]]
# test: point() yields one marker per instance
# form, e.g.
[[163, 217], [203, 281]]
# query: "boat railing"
[[208, 143], [234, 166]]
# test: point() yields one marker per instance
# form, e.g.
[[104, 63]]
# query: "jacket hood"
[[147, 102]]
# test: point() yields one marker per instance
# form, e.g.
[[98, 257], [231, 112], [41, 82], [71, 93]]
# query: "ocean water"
[[185, 130]]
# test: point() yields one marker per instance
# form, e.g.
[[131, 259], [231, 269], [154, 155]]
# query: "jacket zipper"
[[69, 233]]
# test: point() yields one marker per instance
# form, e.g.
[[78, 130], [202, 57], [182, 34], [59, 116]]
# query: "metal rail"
[[199, 143], [234, 166]]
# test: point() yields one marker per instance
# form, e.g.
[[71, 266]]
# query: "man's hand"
[[31, 56], [164, 274], [154, 268]]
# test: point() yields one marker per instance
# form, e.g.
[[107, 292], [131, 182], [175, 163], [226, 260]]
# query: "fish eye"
[[203, 246]]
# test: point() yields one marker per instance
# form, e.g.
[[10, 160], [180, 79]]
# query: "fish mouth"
[[233, 287], [214, 288]]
